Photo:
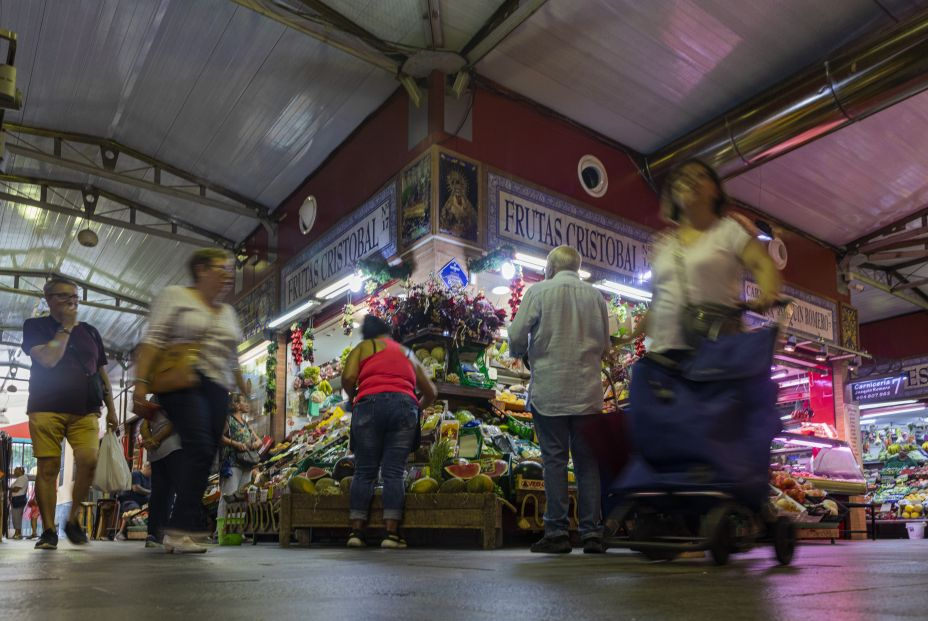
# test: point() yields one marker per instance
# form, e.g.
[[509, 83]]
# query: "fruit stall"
[[896, 462], [813, 478], [478, 459]]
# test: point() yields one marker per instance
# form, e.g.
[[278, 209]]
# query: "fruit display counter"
[[812, 479]]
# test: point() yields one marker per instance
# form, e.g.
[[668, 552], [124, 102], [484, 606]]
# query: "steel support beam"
[[87, 286], [319, 29], [509, 16], [880, 279], [129, 204], [39, 294], [110, 151]]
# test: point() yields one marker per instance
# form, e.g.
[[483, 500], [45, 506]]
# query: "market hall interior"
[[417, 161]]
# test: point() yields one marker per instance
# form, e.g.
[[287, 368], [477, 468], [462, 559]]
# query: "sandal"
[[393, 541], [356, 540]]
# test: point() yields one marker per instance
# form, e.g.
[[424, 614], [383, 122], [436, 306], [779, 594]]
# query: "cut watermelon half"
[[315, 473], [495, 469], [463, 471]]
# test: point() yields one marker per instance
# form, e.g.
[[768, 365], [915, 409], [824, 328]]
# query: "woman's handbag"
[[248, 458], [175, 368]]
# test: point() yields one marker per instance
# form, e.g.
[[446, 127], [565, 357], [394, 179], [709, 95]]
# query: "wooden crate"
[[433, 511]]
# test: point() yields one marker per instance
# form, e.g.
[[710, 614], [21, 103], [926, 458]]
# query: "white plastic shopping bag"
[[113, 473]]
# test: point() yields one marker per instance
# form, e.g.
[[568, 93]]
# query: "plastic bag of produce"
[[112, 474]]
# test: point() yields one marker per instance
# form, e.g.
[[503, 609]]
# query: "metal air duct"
[[855, 82]]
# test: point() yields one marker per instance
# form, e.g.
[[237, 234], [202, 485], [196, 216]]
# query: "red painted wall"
[[523, 141], [898, 337], [517, 138]]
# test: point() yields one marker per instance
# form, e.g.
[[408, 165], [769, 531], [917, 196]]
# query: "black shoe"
[[593, 545], [75, 533], [559, 544], [48, 540]]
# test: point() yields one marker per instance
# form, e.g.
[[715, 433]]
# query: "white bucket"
[[916, 530]]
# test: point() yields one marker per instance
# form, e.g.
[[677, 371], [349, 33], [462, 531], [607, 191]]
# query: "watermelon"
[[344, 467], [464, 472], [495, 469], [453, 486], [301, 485], [480, 484], [427, 485], [314, 473], [530, 470]]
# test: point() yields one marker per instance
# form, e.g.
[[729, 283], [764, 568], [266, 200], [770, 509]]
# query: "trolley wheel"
[[784, 540], [719, 530]]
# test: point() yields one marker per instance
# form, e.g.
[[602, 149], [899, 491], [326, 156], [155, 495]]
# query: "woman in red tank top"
[[380, 377]]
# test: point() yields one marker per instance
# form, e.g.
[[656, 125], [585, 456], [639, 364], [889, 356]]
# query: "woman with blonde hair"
[[194, 314]]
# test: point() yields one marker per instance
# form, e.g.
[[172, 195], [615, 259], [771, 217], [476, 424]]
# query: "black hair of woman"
[[373, 327], [670, 210]]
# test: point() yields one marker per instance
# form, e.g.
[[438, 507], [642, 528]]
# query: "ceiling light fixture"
[[822, 355], [507, 270], [500, 290], [623, 290], [538, 265], [892, 412], [887, 404], [291, 314]]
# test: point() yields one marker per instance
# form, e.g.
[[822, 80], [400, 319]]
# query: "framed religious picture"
[[850, 327], [415, 201], [458, 197]]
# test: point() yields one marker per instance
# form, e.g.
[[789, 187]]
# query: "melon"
[[480, 484], [301, 485], [495, 468], [438, 353], [345, 485], [315, 473], [332, 490], [530, 470], [453, 486], [325, 483], [344, 467], [463, 471], [428, 485]]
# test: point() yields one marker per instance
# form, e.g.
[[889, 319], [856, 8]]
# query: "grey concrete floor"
[[849, 581]]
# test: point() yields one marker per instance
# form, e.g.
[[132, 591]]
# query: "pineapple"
[[440, 452]]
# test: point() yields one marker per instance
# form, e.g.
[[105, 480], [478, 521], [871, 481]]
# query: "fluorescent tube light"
[[623, 290], [892, 412], [887, 404], [500, 290], [340, 286], [291, 314], [254, 352], [538, 265]]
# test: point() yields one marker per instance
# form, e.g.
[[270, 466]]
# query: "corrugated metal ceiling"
[[236, 98]]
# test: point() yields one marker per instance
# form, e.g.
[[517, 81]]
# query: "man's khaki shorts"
[[48, 429]]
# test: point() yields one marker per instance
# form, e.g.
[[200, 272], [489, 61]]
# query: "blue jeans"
[[560, 437], [383, 429], [199, 416]]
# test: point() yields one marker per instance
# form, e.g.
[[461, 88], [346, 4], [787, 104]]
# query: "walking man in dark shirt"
[[67, 385]]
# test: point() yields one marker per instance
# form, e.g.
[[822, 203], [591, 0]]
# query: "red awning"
[[18, 431]]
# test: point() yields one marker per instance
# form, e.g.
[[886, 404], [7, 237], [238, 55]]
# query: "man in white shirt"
[[563, 328]]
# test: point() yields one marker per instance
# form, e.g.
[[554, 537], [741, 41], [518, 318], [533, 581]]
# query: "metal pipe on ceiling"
[[853, 83]]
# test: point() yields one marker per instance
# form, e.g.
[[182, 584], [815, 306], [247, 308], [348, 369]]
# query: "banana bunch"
[[325, 387]]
